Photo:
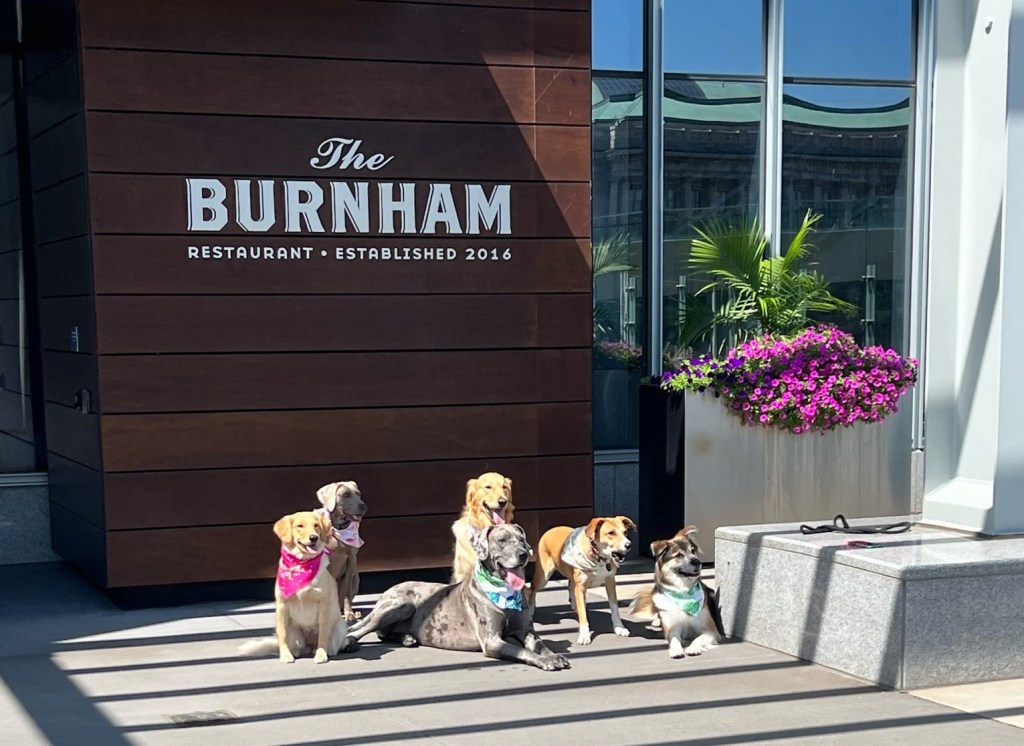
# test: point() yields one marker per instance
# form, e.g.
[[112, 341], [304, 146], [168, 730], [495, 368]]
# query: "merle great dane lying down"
[[483, 612]]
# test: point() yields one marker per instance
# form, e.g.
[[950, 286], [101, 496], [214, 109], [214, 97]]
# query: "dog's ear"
[[478, 540], [593, 529], [627, 522], [685, 532], [326, 528], [658, 547], [328, 496], [508, 487], [283, 529], [470, 489]]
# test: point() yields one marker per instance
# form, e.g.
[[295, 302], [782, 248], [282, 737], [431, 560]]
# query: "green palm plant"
[[608, 256], [764, 294]]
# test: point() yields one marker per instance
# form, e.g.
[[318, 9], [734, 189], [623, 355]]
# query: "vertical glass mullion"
[[917, 256], [654, 81], [771, 170]]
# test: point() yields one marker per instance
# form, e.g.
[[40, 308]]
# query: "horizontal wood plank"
[[169, 324], [245, 439], [77, 489], [161, 265], [61, 211], [212, 497], [263, 147], [224, 84], [351, 29], [144, 204], [65, 268], [222, 553], [194, 383], [73, 434], [59, 317]]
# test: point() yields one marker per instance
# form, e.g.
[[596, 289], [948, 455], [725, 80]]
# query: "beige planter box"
[[737, 475]]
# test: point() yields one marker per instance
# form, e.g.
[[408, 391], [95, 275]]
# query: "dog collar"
[[575, 555], [691, 601], [294, 574], [349, 536], [498, 590]]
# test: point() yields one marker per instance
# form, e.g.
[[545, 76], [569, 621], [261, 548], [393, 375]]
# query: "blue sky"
[[823, 38]]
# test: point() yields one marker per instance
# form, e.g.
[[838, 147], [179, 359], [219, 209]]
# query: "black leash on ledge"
[[841, 526]]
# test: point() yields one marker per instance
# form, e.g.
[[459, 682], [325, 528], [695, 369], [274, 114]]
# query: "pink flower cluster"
[[816, 381]]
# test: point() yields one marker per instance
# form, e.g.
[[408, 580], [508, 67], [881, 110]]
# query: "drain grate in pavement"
[[196, 719]]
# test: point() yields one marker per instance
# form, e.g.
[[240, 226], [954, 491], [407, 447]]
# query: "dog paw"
[[697, 649], [584, 637], [409, 641], [351, 616], [321, 656], [287, 657], [622, 632], [350, 645], [554, 663], [675, 649]]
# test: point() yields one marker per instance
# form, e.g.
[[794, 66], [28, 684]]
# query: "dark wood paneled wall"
[[56, 124], [228, 391]]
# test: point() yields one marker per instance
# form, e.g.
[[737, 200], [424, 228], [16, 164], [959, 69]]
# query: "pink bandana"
[[349, 535], [294, 574]]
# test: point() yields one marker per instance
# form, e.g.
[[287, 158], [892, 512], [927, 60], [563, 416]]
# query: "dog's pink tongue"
[[516, 579], [498, 517]]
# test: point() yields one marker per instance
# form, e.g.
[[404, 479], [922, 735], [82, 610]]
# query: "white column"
[[1008, 498], [974, 450]]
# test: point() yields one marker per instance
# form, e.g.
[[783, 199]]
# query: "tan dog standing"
[[588, 556], [305, 596], [343, 504], [488, 503]]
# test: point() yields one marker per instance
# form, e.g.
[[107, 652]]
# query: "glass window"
[[617, 35], [17, 433], [845, 155], [725, 37], [712, 142], [869, 39], [618, 175]]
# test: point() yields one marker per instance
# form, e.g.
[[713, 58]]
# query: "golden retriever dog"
[[686, 608], [488, 503], [343, 504], [305, 594], [587, 556]]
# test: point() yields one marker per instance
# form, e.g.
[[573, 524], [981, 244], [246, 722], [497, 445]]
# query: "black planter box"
[[661, 465]]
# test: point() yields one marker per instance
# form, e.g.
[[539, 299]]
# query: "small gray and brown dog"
[[686, 608], [343, 504], [484, 612]]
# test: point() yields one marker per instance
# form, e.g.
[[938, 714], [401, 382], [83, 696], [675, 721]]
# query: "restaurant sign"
[[347, 209]]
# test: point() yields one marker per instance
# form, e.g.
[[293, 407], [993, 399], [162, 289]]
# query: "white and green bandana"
[[691, 601], [575, 555], [501, 593]]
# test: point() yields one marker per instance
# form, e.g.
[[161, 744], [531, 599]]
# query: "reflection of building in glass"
[[850, 164]]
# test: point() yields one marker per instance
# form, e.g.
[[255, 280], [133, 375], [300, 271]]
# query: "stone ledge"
[[926, 608]]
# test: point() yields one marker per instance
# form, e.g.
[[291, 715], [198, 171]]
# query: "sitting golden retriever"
[[488, 503], [305, 594]]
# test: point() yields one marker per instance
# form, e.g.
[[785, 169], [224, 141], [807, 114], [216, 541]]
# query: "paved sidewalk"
[[75, 670]]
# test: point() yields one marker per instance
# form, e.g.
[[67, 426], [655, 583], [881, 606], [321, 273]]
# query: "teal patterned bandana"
[[498, 590], [691, 601]]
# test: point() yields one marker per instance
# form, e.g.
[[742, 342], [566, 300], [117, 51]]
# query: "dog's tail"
[[643, 605], [262, 646]]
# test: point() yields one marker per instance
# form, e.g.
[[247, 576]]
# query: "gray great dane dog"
[[483, 612]]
